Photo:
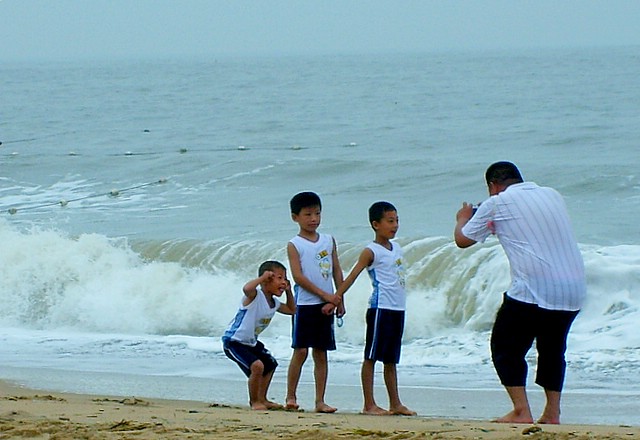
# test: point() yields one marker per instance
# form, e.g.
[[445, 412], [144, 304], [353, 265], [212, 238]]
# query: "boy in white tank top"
[[240, 340], [313, 259], [385, 315]]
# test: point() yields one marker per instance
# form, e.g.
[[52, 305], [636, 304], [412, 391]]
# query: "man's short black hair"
[[377, 210], [503, 173], [271, 265], [304, 199]]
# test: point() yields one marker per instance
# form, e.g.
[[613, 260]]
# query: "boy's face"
[[308, 219], [277, 284], [387, 227]]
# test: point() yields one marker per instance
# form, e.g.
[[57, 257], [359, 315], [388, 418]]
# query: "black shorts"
[[517, 325], [245, 355], [312, 329], [384, 335]]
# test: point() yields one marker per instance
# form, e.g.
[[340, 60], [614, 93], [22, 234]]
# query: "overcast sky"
[[66, 29]]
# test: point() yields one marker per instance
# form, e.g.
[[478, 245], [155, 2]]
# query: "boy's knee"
[[301, 353], [257, 368], [319, 353]]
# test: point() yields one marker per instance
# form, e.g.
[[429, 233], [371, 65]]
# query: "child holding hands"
[[385, 316], [315, 268]]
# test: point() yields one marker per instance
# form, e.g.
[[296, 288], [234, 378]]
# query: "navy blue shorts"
[[517, 325], [245, 355], [312, 329], [384, 335]]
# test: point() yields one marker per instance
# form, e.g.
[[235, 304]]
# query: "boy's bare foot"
[[259, 407], [324, 408], [376, 411], [291, 405], [402, 411], [273, 405], [515, 417]]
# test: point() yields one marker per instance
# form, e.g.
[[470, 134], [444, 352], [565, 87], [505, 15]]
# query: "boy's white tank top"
[[251, 320], [316, 261], [387, 278]]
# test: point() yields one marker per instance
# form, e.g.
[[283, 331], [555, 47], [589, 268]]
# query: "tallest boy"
[[315, 268]]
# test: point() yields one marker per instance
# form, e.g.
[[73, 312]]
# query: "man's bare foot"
[[324, 408], [548, 420], [291, 405], [515, 417], [259, 406], [376, 411], [402, 411]]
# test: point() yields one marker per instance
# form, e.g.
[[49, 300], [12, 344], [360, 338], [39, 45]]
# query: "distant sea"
[[137, 197]]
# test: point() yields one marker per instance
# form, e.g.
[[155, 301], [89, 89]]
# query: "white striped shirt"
[[534, 230]]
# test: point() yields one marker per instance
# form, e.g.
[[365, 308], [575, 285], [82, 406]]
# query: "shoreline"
[[228, 387], [37, 414]]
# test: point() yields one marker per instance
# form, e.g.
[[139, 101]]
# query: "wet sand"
[[26, 413]]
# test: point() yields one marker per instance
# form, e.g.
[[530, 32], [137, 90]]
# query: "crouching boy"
[[240, 340]]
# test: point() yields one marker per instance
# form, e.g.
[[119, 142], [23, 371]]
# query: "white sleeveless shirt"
[[387, 278], [316, 261], [251, 320]]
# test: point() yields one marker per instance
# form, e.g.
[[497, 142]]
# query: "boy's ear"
[[375, 224], [294, 217]]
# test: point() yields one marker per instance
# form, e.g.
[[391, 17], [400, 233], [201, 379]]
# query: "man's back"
[[533, 227]]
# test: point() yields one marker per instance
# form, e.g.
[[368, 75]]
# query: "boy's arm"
[[338, 276], [290, 307], [250, 289], [365, 259], [301, 280]]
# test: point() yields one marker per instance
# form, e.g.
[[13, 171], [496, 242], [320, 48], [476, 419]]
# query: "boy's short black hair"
[[304, 199], [377, 210], [271, 265], [503, 173]]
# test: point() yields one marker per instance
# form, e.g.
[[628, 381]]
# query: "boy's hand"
[[340, 310], [328, 309], [333, 299], [267, 275]]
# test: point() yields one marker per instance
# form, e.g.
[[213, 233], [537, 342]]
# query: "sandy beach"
[[26, 413]]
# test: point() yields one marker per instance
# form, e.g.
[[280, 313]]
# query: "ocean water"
[[137, 197]]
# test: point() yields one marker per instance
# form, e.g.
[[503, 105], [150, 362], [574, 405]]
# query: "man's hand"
[[464, 213], [462, 218]]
